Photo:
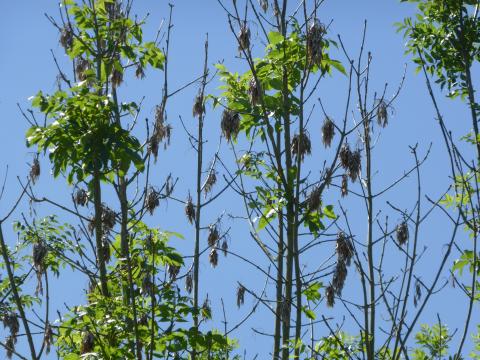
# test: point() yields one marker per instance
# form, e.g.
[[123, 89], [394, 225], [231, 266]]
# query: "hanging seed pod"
[[344, 248], [211, 180], [244, 38], [240, 295], [151, 200], [225, 247], [81, 197], [314, 200], [48, 338], [264, 5], [206, 309], [418, 292], [169, 185], [276, 10], [345, 155], [402, 233], [213, 236], [339, 276], [106, 249], [315, 34], [254, 92], [328, 131], [66, 37], [198, 106], [189, 282], [344, 187], [230, 124], [382, 113], [190, 209], [330, 295], [301, 145], [162, 132], [213, 257], [39, 253], [173, 271], [10, 321], [35, 171], [108, 218], [355, 165], [328, 177], [139, 72], [88, 342], [81, 66], [10, 346], [116, 78]]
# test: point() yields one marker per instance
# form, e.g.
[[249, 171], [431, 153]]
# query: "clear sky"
[[26, 66]]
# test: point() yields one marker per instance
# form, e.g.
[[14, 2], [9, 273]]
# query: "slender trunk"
[[279, 284]]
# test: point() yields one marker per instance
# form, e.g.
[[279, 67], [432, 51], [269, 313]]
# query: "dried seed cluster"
[[173, 271], [35, 170], [225, 247], [213, 236], [152, 200], [301, 145], [344, 248], [81, 66], [210, 182], [206, 309], [382, 113], [88, 342], [39, 253], [402, 232], [81, 197], [314, 200], [139, 72], [254, 92], [244, 38], [213, 257], [48, 338], [10, 321], [198, 106], [418, 293], [66, 37], [190, 209], [189, 282], [315, 34], [240, 295], [264, 5], [230, 124], [161, 132], [328, 131], [330, 295], [116, 78], [344, 187]]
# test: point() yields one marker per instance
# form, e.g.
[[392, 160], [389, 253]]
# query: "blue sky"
[[26, 66]]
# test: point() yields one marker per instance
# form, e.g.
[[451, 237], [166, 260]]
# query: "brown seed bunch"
[[161, 132], [225, 247], [213, 257], [189, 282], [240, 295], [206, 309], [88, 342], [116, 78], [301, 145], [213, 236], [345, 155], [211, 180], [48, 338], [10, 321], [382, 113], [330, 295], [230, 124], [81, 66], [39, 253], [344, 187], [254, 92], [418, 293], [198, 106], [151, 200], [355, 165], [244, 38], [106, 249], [315, 34], [339, 276], [10, 346], [328, 177], [402, 233], [190, 209], [328, 131], [314, 200], [173, 271], [139, 72], [264, 5], [66, 37], [108, 218], [344, 248], [81, 197], [35, 171]]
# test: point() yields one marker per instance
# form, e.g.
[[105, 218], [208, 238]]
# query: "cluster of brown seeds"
[[10, 321], [189, 282], [81, 197], [213, 236], [108, 218], [264, 5], [139, 72], [328, 131], [206, 309], [116, 78], [48, 338], [230, 124], [244, 38], [402, 232], [210, 182], [382, 113], [198, 106], [190, 209], [225, 247], [152, 200], [301, 145], [88, 342], [66, 37], [213, 257], [240, 295], [106, 249], [81, 66], [344, 248], [35, 170], [39, 253], [344, 187], [418, 293], [254, 92], [355, 165], [330, 295], [161, 132], [351, 161], [173, 271], [314, 200], [315, 34]]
